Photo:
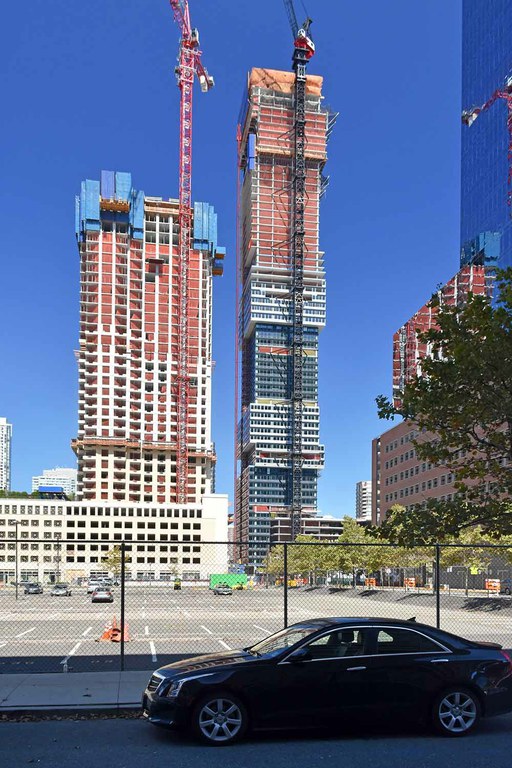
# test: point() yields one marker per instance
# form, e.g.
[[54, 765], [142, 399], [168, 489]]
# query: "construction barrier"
[[493, 585], [409, 583], [370, 582]]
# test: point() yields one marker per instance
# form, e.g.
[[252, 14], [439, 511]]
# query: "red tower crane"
[[470, 115], [189, 65]]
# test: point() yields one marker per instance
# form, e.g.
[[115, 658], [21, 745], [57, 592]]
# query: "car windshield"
[[282, 640], [61, 586]]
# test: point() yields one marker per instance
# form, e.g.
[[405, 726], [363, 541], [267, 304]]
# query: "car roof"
[[347, 621]]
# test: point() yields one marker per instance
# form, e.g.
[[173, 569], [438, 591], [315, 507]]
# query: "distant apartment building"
[[68, 539], [364, 501], [60, 477], [321, 527], [408, 350], [400, 477], [131, 336], [5, 454]]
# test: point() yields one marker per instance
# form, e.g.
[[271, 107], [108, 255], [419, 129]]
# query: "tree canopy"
[[462, 406]]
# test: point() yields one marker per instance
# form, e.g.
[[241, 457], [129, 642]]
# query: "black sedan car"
[[317, 672]]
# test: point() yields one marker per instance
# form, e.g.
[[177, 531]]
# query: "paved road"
[[136, 744], [40, 633]]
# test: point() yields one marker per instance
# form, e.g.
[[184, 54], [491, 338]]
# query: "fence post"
[[285, 593], [123, 574], [438, 586]]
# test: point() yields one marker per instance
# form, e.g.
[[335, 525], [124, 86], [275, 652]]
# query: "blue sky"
[[88, 86]]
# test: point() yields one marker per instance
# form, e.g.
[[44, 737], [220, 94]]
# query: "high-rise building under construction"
[[267, 331], [129, 335]]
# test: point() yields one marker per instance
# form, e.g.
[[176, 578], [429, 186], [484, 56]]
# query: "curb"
[[76, 709]]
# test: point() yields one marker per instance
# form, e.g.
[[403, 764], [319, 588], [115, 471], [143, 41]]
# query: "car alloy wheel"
[[456, 712], [219, 720]]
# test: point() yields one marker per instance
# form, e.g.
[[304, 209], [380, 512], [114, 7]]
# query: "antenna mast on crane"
[[303, 50], [189, 65]]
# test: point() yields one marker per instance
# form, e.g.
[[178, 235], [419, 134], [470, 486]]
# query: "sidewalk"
[[81, 692]]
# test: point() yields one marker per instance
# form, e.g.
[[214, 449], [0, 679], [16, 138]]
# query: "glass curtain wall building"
[[486, 225]]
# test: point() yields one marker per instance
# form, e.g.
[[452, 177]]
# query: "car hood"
[[209, 661]]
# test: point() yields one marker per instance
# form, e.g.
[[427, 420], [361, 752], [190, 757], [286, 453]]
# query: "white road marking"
[[268, 631], [224, 645], [86, 631], [187, 614], [143, 613], [206, 629], [146, 630], [72, 652], [153, 650], [2, 644], [25, 632]]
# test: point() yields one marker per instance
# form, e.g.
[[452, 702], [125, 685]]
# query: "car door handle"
[[354, 669], [438, 661]]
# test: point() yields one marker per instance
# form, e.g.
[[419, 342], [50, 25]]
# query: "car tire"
[[219, 719], [456, 711], [507, 590]]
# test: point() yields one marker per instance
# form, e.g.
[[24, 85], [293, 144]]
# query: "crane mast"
[[303, 50], [189, 65]]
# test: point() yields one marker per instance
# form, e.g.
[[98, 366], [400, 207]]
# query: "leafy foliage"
[[113, 560]]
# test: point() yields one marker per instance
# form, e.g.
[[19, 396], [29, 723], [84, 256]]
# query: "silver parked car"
[[61, 590], [102, 595], [222, 589]]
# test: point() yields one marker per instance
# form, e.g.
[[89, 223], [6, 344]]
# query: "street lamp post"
[[57, 557], [16, 523]]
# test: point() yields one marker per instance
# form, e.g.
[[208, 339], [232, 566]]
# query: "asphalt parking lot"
[[40, 633]]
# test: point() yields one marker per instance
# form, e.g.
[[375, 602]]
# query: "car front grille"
[[154, 682]]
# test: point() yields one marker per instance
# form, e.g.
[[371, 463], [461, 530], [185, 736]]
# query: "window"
[[338, 644], [391, 640]]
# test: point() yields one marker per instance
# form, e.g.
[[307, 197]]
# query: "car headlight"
[[176, 686], [174, 689]]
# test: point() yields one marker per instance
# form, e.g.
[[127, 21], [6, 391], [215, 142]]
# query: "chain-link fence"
[[111, 605]]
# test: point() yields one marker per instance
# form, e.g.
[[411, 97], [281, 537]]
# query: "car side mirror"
[[301, 654]]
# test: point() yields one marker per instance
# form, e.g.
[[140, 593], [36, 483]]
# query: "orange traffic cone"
[[107, 632]]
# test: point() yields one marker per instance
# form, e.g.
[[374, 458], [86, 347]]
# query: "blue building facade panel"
[[486, 225]]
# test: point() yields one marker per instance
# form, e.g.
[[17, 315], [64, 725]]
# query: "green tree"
[[462, 406], [112, 560]]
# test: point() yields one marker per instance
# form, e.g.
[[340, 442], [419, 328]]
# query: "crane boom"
[[189, 65], [292, 18]]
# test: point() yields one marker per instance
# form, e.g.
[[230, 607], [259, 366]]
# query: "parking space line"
[[2, 644], [206, 629], [25, 632], [72, 652], [146, 630], [153, 651], [86, 631], [268, 631], [224, 645]]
